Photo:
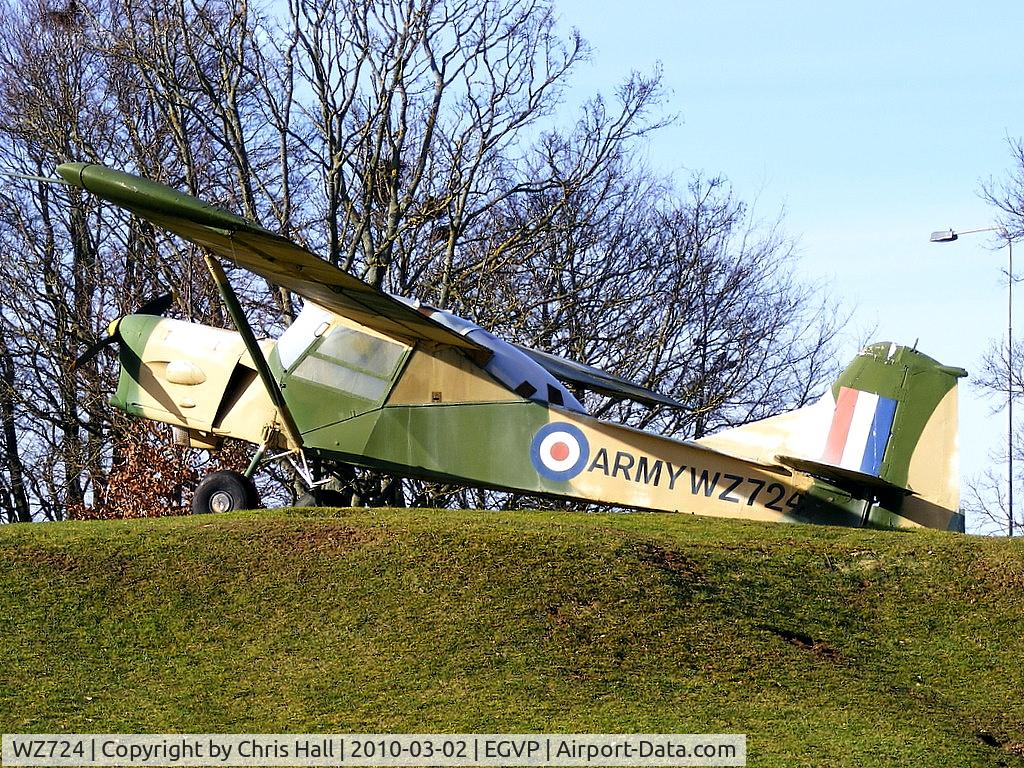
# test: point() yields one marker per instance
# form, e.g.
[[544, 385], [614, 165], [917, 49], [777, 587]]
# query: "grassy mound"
[[826, 646]]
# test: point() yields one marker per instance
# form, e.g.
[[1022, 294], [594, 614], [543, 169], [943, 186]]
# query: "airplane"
[[365, 378]]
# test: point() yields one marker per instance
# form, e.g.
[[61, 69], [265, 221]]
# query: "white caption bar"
[[409, 749]]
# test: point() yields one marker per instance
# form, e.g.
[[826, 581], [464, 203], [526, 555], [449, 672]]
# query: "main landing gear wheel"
[[225, 492]]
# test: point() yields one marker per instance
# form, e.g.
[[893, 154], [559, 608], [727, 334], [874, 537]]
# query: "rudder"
[[896, 419]]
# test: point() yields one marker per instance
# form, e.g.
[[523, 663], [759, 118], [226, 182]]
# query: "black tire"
[[225, 492], [324, 497], [306, 499], [328, 497]]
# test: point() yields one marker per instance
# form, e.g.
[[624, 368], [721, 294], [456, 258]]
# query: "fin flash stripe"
[[861, 426]]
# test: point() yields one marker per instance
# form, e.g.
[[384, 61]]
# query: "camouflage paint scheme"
[[372, 381]]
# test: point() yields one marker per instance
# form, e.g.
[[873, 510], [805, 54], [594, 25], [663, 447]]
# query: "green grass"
[[826, 646]]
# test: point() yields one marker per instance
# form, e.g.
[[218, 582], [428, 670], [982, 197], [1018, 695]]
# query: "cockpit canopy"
[[364, 363]]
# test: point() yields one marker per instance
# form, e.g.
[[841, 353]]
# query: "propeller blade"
[[94, 349], [157, 306]]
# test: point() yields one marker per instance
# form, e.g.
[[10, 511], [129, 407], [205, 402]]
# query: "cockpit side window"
[[315, 350], [361, 351], [311, 323]]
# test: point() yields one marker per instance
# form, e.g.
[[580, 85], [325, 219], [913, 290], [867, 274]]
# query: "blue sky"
[[871, 124]]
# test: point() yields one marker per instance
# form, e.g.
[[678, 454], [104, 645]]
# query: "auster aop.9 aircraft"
[[368, 379]]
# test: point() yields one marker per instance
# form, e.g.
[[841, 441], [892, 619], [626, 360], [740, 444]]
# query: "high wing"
[[595, 379], [259, 250]]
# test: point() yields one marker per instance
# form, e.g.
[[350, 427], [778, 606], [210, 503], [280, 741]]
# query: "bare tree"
[[50, 80], [987, 498], [421, 144]]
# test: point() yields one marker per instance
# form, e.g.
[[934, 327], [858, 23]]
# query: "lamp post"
[[948, 236]]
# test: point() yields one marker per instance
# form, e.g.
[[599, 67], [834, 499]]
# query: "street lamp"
[[948, 236]]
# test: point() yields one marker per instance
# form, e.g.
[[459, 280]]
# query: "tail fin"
[[886, 434], [893, 434]]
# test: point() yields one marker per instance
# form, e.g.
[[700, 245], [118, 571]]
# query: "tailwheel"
[[225, 491]]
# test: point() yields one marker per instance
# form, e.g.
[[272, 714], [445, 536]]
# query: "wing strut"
[[227, 293]]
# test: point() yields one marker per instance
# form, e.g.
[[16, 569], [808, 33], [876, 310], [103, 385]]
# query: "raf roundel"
[[559, 451]]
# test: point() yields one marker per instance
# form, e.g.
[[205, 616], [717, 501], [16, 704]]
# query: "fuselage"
[[429, 411]]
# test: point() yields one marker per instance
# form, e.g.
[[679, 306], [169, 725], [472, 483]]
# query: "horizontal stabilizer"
[[596, 380], [859, 484]]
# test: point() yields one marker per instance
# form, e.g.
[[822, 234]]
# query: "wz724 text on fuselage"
[[735, 489]]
